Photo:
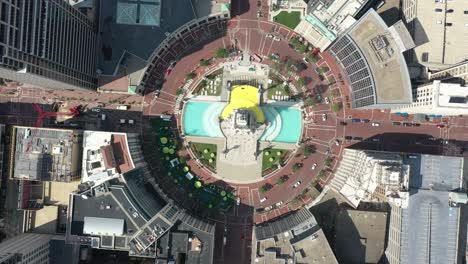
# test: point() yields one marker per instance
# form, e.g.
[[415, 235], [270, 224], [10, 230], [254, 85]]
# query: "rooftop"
[[437, 29], [303, 241], [124, 24], [333, 13], [382, 48], [44, 154], [105, 156], [450, 95], [360, 236], [429, 228]]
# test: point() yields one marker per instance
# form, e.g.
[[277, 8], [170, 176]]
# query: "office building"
[[294, 238], [439, 29], [438, 99], [120, 207], [426, 194], [47, 43], [32, 248], [360, 236], [39, 155], [370, 54], [326, 20]]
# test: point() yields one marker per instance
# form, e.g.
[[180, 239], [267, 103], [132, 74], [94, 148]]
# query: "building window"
[[425, 56]]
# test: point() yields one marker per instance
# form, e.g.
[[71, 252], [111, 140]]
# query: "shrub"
[[336, 107], [308, 150], [328, 161], [301, 82], [204, 62], [296, 167], [221, 53], [179, 91], [190, 75]]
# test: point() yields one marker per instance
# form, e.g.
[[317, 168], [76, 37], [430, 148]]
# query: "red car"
[[440, 126]]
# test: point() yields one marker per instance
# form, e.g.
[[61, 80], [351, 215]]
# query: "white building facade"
[[446, 99]]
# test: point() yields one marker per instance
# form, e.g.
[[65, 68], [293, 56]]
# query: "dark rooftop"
[[115, 38]]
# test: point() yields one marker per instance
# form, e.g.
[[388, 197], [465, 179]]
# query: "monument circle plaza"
[[243, 123]]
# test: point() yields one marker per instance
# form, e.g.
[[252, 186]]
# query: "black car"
[[259, 3], [396, 123], [343, 123], [416, 124], [407, 124], [365, 120], [348, 137], [357, 138]]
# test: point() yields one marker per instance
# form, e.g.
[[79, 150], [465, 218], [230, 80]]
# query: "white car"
[[268, 208], [278, 204], [324, 117], [238, 201], [263, 199], [337, 142], [327, 101], [97, 110], [306, 60], [314, 166], [375, 124], [297, 184]]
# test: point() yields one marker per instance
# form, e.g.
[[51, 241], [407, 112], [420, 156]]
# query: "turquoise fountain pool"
[[202, 119]]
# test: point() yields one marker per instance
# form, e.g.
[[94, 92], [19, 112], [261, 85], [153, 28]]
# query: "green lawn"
[[289, 19], [205, 156], [278, 87], [269, 154]]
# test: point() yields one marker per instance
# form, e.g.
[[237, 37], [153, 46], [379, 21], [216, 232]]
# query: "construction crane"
[[73, 112]]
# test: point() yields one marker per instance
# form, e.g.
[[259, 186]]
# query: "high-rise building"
[[47, 43], [439, 29], [370, 54], [32, 248], [437, 98]]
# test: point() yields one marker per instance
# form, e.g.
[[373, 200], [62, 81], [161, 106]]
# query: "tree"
[[302, 48], [204, 62], [190, 75], [222, 53], [295, 42], [308, 150], [328, 161], [203, 83], [296, 167], [280, 181], [337, 107], [321, 174], [301, 82], [265, 188], [179, 91], [335, 93], [310, 102]]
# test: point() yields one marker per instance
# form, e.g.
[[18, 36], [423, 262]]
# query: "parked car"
[[306, 60], [278, 204], [275, 56], [396, 123], [337, 142], [297, 184], [324, 117], [313, 166], [348, 137], [375, 124], [440, 126], [416, 124], [263, 199], [268, 208], [327, 101], [355, 120], [407, 124], [358, 138], [343, 123], [96, 110], [365, 120]]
